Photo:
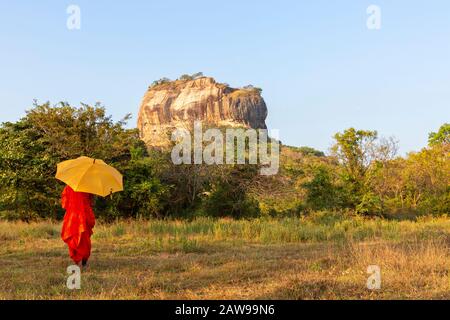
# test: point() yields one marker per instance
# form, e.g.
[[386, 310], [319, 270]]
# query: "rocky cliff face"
[[179, 103]]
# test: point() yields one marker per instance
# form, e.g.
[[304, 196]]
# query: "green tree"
[[160, 81], [229, 196], [197, 75], [354, 150], [47, 135], [321, 191], [144, 195], [186, 77], [360, 153], [440, 137], [426, 179]]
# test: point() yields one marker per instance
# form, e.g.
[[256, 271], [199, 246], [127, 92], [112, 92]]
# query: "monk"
[[79, 221]]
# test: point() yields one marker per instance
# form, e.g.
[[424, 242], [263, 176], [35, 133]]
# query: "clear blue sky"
[[321, 69]]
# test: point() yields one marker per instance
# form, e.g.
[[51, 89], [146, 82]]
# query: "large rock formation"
[[179, 103]]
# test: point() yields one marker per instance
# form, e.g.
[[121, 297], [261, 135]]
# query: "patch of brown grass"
[[151, 261]]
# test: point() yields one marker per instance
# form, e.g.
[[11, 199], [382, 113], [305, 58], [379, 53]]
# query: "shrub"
[[31, 148]]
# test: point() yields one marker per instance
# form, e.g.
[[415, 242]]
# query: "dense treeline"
[[362, 174]]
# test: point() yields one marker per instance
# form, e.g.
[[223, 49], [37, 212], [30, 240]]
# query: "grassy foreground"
[[324, 256]]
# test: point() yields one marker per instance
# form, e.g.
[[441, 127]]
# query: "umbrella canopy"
[[90, 175]]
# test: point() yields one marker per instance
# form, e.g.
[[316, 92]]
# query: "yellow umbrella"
[[90, 175]]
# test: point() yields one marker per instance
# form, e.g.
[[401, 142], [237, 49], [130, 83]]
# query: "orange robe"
[[79, 221]]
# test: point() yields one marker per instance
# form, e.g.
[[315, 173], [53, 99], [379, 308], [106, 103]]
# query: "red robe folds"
[[78, 223]]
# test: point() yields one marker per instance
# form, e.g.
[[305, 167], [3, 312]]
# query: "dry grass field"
[[323, 256]]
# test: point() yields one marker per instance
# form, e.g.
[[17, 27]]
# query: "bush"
[[370, 205], [31, 148], [225, 201], [144, 195], [230, 197]]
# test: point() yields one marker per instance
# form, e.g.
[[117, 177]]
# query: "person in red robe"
[[79, 221]]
